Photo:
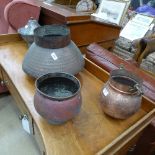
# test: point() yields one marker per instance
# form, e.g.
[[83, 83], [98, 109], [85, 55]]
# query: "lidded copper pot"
[[121, 95]]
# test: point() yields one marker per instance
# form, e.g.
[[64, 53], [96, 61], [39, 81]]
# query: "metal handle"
[[139, 89], [132, 148], [22, 116], [4, 83], [121, 66]]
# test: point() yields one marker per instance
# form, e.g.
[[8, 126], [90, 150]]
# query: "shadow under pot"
[[57, 97], [121, 95]]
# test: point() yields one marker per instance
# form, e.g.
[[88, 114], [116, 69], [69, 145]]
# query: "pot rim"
[[121, 91], [58, 75], [52, 36], [125, 89]]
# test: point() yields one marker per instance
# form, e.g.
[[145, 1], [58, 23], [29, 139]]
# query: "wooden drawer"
[[19, 102], [39, 140], [24, 112], [3, 88], [126, 149], [1, 73]]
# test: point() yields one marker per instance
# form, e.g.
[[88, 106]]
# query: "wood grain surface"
[[91, 131]]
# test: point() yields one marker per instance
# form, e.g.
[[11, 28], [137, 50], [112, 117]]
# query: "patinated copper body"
[[57, 97]]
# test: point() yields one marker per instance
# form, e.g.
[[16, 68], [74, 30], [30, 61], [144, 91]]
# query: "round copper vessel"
[[121, 96], [57, 97]]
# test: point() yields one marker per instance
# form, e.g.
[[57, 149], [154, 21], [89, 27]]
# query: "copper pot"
[[121, 95], [57, 97]]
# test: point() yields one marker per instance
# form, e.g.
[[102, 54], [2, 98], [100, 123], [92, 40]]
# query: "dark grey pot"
[[52, 52]]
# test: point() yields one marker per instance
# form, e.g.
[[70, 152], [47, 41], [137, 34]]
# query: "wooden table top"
[[89, 132]]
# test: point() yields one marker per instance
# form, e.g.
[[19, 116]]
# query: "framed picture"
[[111, 11]]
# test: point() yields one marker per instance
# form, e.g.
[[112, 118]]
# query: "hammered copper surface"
[[121, 95]]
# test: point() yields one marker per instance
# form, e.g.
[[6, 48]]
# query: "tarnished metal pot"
[[52, 51], [121, 96], [27, 32], [57, 97]]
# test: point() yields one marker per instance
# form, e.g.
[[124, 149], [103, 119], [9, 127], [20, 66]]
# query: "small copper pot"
[[122, 94], [57, 97]]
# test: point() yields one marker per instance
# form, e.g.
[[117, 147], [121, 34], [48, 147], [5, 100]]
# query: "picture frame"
[[112, 11]]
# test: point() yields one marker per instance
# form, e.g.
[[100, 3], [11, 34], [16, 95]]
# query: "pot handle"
[[121, 66], [139, 89]]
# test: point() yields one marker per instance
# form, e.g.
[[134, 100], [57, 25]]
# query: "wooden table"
[[91, 132]]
